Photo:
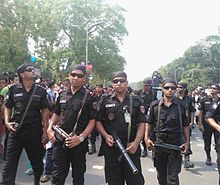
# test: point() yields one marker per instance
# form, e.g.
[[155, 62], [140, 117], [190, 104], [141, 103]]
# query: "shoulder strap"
[[158, 119], [25, 112], [181, 121], [129, 124], [80, 111]]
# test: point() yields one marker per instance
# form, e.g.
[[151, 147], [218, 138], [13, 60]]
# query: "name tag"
[[62, 101], [18, 95], [37, 96], [110, 105]]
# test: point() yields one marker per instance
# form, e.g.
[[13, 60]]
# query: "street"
[[201, 174]]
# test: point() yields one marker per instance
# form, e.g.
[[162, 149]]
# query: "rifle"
[[124, 153], [61, 133], [161, 145]]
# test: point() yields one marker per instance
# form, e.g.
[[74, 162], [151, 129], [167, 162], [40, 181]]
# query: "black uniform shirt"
[[188, 103], [146, 99], [169, 117], [18, 99], [68, 105], [214, 111], [112, 111]]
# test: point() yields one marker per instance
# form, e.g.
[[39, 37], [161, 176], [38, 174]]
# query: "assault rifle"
[[161, 145], [61, 134], [124, 153]]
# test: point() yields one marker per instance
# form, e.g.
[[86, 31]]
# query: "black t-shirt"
[[112, 115], [169, 117], [18, 99], [67, 107]]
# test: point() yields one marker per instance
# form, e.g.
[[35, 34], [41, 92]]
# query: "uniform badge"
[[214, 106], [142, 109], [111, 116], [18, 105]]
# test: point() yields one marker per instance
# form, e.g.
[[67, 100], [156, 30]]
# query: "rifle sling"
[[26, 110], [80, 111], [158, 120]]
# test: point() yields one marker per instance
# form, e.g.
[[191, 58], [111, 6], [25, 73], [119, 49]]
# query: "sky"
[[162, 30]]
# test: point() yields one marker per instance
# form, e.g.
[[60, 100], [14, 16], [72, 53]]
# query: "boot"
[[36, 181], [92, 150], [208, 159], [188, 163]]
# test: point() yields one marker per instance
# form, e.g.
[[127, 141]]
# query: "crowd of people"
[[60, 123]]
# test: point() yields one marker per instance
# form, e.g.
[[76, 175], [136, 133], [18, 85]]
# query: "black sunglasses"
[[29, 69], [180, 87], [78, 75], [122, 80], [169, 87], [213, 87]]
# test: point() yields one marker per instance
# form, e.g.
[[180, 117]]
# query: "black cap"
[[79, 67], [22, 68], [99, 85], [147, 81], [169, 81], [217, 85], [119, 74], [184, 85]]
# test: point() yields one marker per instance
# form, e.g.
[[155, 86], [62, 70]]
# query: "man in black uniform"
[[204, 127], [146, 97], [123, 114], [187, 101], [167, 123], [213, 118], [78, 120], [29, 134]]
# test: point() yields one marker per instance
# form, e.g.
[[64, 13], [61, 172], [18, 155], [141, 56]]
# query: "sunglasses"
[[77, 75], [180, 87], [115, 81], [30, 69], [169, 87], [215, 88]]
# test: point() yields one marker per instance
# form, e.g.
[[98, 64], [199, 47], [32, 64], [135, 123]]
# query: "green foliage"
[[58, 29], [199, 66]]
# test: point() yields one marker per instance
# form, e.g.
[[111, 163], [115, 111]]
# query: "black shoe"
[[188, 163], [44, 178], [144, 153], [208, 161]]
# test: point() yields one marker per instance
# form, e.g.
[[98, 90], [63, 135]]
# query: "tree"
[[200, 64], [58, 29]]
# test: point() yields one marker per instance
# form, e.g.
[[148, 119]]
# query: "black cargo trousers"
[[30, 140]]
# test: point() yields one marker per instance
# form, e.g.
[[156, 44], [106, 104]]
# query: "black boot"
[[208, 161], [36, 181], [188, 163]]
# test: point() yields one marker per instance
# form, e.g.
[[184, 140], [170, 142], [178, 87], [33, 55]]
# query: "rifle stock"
[[161, 145]]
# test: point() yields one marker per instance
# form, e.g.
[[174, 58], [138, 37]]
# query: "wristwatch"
[[81, 138]]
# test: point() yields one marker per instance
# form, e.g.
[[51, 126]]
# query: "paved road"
[[200, 174]]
